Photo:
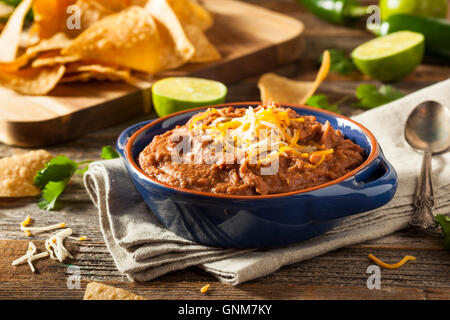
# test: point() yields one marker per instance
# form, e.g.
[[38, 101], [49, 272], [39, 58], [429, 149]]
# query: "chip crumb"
[[205, 288]]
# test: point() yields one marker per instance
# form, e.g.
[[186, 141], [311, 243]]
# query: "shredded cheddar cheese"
[[205, 288], [259, 134], [391, 266]]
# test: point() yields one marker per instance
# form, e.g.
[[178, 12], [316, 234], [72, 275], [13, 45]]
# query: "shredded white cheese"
[[54, 245], [30, 256]]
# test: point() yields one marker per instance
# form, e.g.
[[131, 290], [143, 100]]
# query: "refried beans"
[[250, 151]]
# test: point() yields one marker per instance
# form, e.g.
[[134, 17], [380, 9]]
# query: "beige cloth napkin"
[[143, 249]]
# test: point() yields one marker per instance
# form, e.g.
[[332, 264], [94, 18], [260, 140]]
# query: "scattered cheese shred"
[[55, 245], [30, 256], [391, 266], [33, 230], [205, 288]]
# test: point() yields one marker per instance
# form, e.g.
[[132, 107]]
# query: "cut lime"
[[180, 93], [392, 57]]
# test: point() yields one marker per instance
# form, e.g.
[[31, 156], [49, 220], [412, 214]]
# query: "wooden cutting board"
[[252, 40]]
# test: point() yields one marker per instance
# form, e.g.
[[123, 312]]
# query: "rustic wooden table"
[[340, 274]]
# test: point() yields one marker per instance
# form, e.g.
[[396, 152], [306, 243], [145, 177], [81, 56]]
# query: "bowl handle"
[[380, 177], [126, 135]]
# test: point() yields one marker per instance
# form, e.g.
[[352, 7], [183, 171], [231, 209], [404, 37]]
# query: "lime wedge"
[[392, 57], [180, 93]]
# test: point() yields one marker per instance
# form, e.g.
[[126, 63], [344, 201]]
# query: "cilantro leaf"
[[51, 193], [370, 97], [108, 153], [444, 221], [340, 63], [57, 169], [321, 101]]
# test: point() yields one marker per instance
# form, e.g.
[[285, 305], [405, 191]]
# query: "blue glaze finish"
[[255, 222]]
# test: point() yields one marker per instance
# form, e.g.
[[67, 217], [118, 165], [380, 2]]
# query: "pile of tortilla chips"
[[80, 40]]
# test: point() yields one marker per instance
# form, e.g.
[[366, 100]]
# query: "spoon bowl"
[[427, 129]]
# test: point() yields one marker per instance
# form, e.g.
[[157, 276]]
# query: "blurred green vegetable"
[[335, 11], [340, 63], [444, 221], [370, 96], [425, 8]]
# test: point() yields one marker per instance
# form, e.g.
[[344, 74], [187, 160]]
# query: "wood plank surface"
[[248, 47], [340, 274]]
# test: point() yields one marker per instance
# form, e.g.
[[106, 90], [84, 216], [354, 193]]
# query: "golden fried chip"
[[53, 58], [33, 81], [10, 37], [205, 51], [17, 173], [99, 291], [191, 13], [139, 43], [274, 88], [56, 42], [50, 17], [95, 72], [162, 12]]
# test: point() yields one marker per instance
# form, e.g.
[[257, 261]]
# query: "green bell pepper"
[[335, 11]]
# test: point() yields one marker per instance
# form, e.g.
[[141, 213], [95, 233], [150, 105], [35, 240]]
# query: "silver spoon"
[[427, 129]]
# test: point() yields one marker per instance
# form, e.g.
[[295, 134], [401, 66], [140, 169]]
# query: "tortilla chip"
[[141, 43], [162, 12], [191, 13], [10, 37], [50, 17], [274, 88], [85, 73], [99, 291], [56, 42], [205, 51], [17, 173], [33, 81], [52, 59]]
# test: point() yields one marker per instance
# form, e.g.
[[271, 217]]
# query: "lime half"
[[180, 93], [392, 57]]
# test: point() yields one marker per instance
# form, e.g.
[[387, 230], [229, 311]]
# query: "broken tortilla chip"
[[191, 13], [96, 72], [17, 173], [50, 17], [163, 13], [205, 51], [140, 43], [99, 291], [53, 59], [57, 42], [33, 81], [10, 37], [278, 89]]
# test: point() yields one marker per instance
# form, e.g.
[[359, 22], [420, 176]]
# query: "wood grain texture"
[[340, 274], [249, 46]]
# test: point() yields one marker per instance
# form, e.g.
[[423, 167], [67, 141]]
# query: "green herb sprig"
[[57, 173]]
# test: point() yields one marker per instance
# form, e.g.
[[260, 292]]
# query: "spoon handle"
[[424, 197]]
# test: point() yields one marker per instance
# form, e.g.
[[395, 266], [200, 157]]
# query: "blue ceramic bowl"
[[261, 221]]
